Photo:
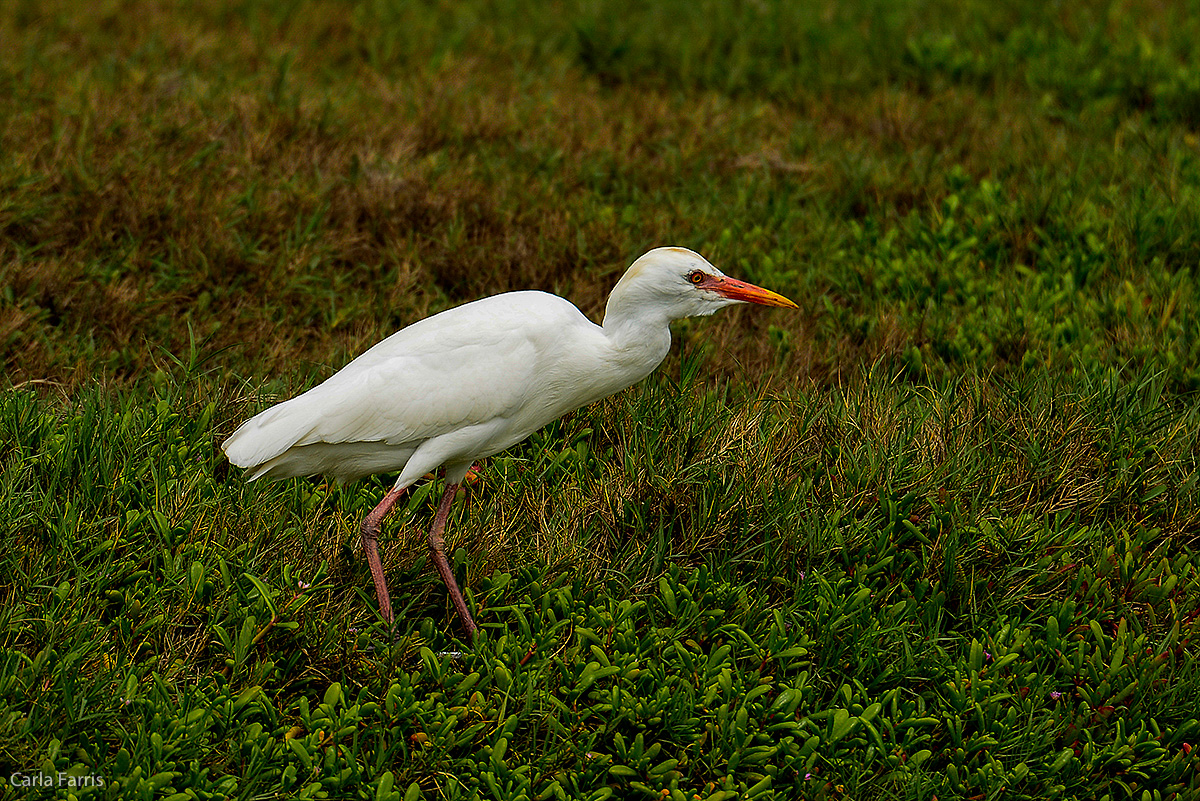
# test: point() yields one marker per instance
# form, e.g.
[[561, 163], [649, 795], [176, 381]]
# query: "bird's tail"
[[268, 435]]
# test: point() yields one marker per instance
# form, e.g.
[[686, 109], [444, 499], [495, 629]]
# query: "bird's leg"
[[437, 550], [370, 541]]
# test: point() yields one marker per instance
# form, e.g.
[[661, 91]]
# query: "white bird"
[[473, 380]]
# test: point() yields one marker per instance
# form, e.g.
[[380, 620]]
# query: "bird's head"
[[681, 283]]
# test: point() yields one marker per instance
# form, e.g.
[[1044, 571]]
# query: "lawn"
[[936, 533]]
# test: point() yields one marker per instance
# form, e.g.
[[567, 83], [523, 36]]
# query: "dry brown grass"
[[205, 168]]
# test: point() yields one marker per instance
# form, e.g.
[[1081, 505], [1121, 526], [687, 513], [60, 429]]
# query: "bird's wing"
[[410, 397], [466, 366]]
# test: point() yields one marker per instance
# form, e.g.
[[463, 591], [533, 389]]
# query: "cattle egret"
[[473, 380]]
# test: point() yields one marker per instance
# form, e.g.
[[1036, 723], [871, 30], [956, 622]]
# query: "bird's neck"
[[638, 334]]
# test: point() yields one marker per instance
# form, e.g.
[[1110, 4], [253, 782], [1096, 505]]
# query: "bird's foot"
[[442, 565], [370, 542]]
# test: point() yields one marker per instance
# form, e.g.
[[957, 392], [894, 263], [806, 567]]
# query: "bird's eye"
[[695, 276]]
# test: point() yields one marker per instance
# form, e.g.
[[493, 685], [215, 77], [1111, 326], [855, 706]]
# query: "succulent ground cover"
[[933, 534]]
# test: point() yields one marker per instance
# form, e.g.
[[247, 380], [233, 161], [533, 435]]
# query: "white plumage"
[[455, 387], [473, 380]]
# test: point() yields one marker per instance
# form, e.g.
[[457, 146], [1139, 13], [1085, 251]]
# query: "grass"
[[934, 534]]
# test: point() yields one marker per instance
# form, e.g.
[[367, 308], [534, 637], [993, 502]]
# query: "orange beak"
[[748, 293]]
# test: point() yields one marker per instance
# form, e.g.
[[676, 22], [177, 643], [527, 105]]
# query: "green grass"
[[934, 534]]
